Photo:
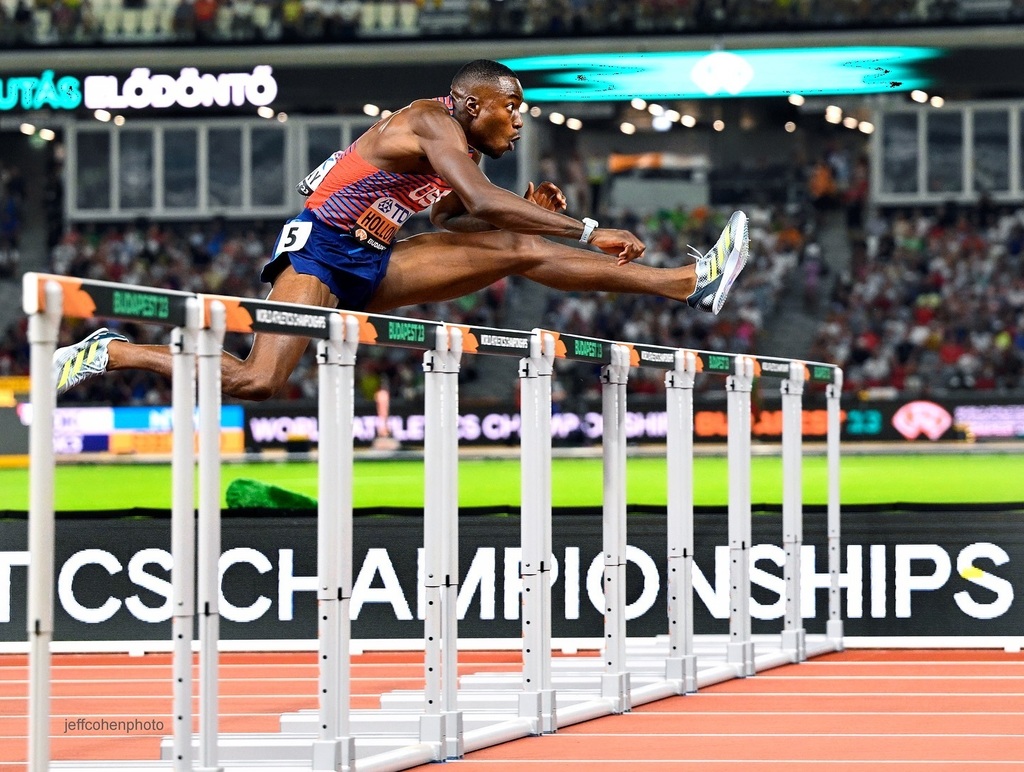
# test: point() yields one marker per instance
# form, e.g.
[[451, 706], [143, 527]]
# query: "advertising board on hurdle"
[[452, 715]]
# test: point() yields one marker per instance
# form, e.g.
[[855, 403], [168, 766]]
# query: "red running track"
[[861, 710]]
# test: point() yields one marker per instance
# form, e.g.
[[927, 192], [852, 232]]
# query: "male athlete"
[[342, 249]]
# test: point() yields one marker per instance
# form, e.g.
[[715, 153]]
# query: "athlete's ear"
[[472, 104]]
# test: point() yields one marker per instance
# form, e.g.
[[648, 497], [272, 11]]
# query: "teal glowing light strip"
[[702, 75]]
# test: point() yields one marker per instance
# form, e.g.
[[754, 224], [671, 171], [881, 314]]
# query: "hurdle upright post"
[[441, 724], [833, 395], [740, 650], [209, 349], [336, 358], [793, 635], [681, 665], [537, 700], [184, 341], [615, 684], [43, 331]]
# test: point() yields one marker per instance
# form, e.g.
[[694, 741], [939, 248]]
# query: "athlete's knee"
[[254, 385]]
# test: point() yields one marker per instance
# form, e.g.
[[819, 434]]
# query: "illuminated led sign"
[[702, 75], [140, 90], [35, 93]]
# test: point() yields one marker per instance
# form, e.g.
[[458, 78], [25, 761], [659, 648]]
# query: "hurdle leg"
[[740, 652], [184, 341], [793, 634], [681, 665], [834, 626], [615, 684], [43, 329], [210, 346], [441, 724], [537, 700], [336, 357]]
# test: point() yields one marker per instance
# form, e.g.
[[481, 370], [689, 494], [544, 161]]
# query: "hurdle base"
[[453, 729], [615, 687], [795, 642], [683, 670], [539, 708], [834, 632], [432, 733], [741, 656], [337, 755]]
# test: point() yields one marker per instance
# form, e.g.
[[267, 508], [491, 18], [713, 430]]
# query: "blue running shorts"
[[351, 270]]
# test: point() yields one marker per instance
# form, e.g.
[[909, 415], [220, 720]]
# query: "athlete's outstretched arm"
[[450, 213]]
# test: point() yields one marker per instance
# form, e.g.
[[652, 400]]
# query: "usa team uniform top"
[[365, 202], [352, 216]]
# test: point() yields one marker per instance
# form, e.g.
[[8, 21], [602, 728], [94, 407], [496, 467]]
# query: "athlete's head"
[[488, 96]]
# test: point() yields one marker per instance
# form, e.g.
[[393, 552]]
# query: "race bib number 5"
[[293, 237], [377, 226]]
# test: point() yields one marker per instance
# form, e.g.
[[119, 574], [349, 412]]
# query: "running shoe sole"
[[736, 260]]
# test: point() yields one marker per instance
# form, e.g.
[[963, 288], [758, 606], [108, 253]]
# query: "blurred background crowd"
[[90, 22]]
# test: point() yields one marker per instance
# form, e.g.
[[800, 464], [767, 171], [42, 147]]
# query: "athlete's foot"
[[718, 269], [73, 364]]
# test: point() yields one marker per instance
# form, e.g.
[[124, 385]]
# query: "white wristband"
[[589, 226]]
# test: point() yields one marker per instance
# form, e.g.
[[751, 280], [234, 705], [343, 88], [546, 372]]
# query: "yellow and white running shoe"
[[73, 364], [718, 269]]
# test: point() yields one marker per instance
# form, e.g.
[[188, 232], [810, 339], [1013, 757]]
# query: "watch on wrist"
[[589, 226]]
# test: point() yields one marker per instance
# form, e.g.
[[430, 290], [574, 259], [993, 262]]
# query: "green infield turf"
[[882, 479]]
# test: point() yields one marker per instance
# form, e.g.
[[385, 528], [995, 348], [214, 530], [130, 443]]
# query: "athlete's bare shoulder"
[[396, 143]]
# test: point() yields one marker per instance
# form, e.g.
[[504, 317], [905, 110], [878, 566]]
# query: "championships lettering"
[[972, 578]]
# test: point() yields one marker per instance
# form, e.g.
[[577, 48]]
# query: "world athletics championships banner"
[[922, 572], [141, 431]]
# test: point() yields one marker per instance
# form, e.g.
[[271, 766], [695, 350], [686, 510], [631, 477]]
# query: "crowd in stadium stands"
[[934, 301], [84, 22], [12, 196]]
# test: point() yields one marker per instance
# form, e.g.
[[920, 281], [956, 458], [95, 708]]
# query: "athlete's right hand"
[[620, 243]]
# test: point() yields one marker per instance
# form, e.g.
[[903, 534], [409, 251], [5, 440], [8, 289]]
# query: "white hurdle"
[[46, 299], [441, 724], [452, 715], [615, 685], [741, 645], [336, 358], [43, 329], [537, 699], [794, 638], [184, 347], [681, 664]]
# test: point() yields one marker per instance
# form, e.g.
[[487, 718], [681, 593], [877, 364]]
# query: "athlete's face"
[[496, 124]]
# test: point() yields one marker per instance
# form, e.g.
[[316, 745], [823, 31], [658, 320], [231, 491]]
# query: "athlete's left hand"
[[546, 195]]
